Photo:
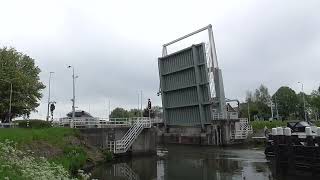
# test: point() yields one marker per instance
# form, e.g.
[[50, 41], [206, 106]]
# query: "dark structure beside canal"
[[101, 138], [294, 153]]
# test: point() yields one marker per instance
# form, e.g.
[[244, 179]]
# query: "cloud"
[[114, 45]]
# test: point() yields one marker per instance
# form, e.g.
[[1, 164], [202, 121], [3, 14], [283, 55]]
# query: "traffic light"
[[149, 104], [52, 107]]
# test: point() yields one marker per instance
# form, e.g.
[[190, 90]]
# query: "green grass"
[[72, 158], [54, 136], [317, 123], [257, 125]]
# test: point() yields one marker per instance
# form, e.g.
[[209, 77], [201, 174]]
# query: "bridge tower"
[[192, 92]]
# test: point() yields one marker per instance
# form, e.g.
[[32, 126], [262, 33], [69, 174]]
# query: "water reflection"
[[191, 163]]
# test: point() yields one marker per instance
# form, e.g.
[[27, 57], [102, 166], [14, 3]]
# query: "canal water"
[[180, 162]]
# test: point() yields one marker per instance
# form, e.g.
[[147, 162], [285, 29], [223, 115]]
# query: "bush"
[[73, 158], [15, 164], [108, 156], [37, 124], [257, 125]]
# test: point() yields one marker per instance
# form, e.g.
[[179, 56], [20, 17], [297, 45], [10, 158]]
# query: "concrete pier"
[[217, 133]]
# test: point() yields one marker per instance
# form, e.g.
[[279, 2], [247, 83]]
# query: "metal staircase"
[[122, 145]]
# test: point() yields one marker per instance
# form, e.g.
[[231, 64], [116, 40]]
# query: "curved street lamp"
[[73, 91]]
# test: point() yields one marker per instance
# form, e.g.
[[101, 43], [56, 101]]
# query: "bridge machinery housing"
[[193, 98]]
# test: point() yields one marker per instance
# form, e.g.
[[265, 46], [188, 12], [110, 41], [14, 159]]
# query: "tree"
[[262, 95], [262, 101], [119, 113], [258, 104], [248, 104], [287, 101], [315, 103], [20, 70], [134, 113]]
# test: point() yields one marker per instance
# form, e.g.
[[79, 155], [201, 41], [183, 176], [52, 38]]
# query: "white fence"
[[228, 115], [8, 125], [90, 122], [242, 129]]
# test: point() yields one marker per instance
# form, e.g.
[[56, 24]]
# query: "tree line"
[[284, 104], [156, 111]]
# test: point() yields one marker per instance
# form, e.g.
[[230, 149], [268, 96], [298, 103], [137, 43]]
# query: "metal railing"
[[242, 129], [90, 122], [8, 125], [122, 145], [228, 115]]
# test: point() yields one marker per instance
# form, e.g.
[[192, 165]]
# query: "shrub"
[[108, 156], [15, 164], [257, 125], [33, 124], [73, 158]]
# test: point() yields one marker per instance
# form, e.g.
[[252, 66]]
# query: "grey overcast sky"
[[114, 45]]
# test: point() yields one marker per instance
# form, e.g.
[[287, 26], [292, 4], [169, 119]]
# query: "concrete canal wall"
[[217, 133], [100, 138]]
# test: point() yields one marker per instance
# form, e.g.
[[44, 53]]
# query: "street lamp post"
[[49, 96], [304, 102], [73, 92]]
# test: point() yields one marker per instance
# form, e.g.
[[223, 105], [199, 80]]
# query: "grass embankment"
[[51, 142], [59, 147]]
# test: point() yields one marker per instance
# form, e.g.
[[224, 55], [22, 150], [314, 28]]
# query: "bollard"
[[273, 134], [309, 138], [279, 131], [289, 156], [274, 131], [287, 135], [280, 135], [287, 131], [276, 144], [308, 131]]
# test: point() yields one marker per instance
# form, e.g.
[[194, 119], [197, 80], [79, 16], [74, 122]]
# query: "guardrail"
[[228, 115], [242, 129], [90, 122], [8, 125]]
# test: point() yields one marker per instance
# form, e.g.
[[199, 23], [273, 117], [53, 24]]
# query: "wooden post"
[[277, 150], [310, 155], [290, 154], [309, 138]]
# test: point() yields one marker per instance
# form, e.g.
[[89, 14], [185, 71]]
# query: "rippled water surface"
[[178, 162]]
